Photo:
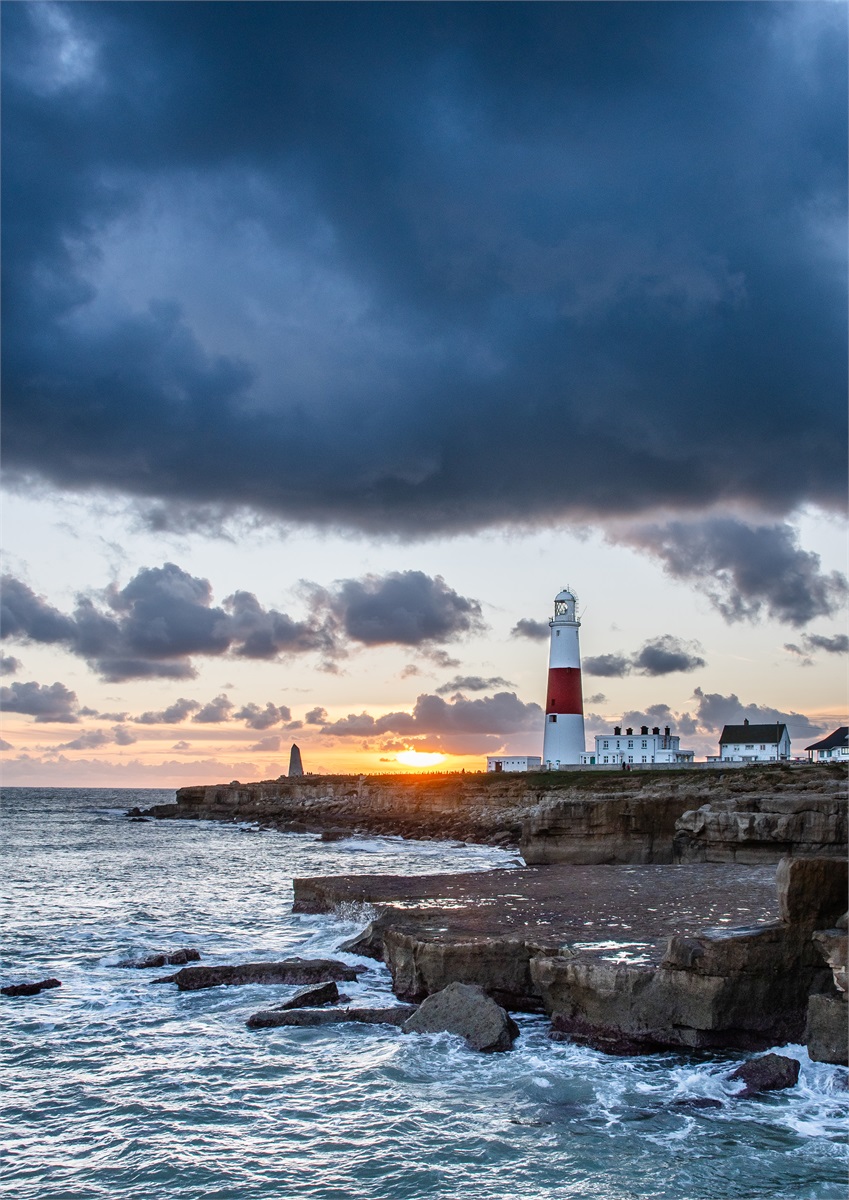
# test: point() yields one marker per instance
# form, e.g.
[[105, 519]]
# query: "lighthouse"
[[563, 741]]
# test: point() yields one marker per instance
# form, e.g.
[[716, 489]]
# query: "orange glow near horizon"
[[419, 758]]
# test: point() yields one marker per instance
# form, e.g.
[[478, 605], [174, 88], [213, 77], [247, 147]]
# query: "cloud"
[[472, 683], [745, 570], [4, 745], [458, 726], [182, 746], [715, 710], [406, 608], [93, 739], [267, 744], [263, 718], [356, 317], [164, 616], [527, 627], [659, 656], [9, 665], [172, 715], [55, 703], [659, 716], [316, 716], [596, 698], [215, 711], [839, 644], [123, 736]]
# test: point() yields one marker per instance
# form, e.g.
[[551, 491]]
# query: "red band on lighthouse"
[[564, 690]]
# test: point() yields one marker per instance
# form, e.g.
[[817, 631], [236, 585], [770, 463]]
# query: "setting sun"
[[418, 758]]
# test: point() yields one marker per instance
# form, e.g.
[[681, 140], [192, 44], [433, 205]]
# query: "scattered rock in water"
[[467, 1010], [289, 971], [29, 989], [309, 1018], [162, 958], [768, 1073], [311, 997], [695, 1102], [334, 835], [141, 820]]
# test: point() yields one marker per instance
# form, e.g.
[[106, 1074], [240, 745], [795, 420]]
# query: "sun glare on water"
[[418, 758]]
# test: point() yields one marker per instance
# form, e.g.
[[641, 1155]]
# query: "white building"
[[525, 762], [753, 743], [563, 737], [642, 747], [834, 748]]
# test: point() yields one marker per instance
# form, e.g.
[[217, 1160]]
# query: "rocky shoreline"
[[649, 916]]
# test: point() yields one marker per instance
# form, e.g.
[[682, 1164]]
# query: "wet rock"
[[769, 1073], [272, 1018], [466, 1010], [696, 1102], [334, 835], [161, 958], [289, 971], [369, 943], [311, 997], [827, 1032], [29, 989], [812, 891], [141, 820]]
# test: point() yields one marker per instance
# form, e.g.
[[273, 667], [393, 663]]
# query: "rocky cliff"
[[753, 815]]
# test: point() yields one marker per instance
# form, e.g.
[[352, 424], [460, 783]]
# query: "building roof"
[[840, 737], [771, 734]]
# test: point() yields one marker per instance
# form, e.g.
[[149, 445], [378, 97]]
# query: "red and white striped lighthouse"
[[564, 705]]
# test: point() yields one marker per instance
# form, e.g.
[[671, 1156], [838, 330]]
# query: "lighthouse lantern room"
[[563, 740]]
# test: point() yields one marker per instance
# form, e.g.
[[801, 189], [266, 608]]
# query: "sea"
[[116, 1088]]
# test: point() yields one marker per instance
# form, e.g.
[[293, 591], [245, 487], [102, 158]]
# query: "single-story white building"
[[642, 747], [834, 748], [524, 762], [753, 743]]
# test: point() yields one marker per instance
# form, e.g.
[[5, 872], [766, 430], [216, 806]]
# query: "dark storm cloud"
[[46, 703], [527, 627], [659, 656], [472, 683], [9, 665], [715, 710], [165, 616], [658, 716], [502, 713], [745, 570], [486, 263], [405, 607]]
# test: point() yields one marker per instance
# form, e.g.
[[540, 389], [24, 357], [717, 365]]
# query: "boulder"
[[827, 1032], [272, 1018], [289, 971], [161, 958], [466, 1010], [311, 997], [768, 1073], [369, 943], [334, 835], [812, 891], [29, 989]]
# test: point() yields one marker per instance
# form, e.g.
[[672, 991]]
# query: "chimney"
[[655, 729], [617, 729], [644, 729], [745, 720], [629, 731], [666, 731]]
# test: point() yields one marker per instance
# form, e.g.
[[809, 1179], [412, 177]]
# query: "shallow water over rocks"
[[115, 1087]]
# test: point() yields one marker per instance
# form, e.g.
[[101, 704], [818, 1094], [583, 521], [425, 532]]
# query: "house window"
[[604, 745], [643, 745], [605, 758], [763, 747], [630, 745], [630, 758], [750, 747], [643, 758], [617, 745]]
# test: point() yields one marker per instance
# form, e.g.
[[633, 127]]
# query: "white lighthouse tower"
[[564, 705]]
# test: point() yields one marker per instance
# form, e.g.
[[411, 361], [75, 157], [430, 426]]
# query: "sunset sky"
[[338, 338]]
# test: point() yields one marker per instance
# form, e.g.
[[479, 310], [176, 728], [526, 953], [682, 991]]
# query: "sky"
[[338, 338]]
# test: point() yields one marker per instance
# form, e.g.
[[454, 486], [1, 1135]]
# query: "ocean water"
[[116, 1088]]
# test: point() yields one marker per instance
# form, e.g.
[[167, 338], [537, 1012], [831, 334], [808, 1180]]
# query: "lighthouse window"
[[557, 631], [553, 718]]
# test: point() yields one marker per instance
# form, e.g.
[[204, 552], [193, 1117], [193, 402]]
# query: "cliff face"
[[749, 816]]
